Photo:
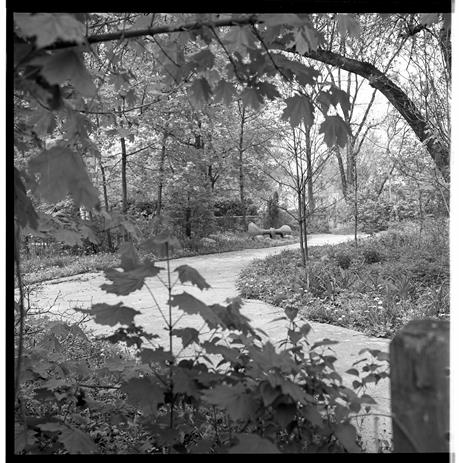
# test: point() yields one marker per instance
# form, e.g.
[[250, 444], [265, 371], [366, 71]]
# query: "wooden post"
[[419, 359]]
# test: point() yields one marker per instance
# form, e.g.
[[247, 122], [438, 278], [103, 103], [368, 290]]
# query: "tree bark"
[[311, 202], [123, 175], [161, 174], [398, 98], [241, 169], [342, 172], [106, 203]]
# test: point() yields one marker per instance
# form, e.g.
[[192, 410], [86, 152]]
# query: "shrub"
[[411, 281], [371, 256], [344, 260]]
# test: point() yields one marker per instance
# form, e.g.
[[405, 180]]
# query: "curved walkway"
[[221, 272]]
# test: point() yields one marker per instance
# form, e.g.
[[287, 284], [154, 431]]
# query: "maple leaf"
[[284, 413], [303, 74], [162, 245], [184, 383], [290, 389], [269, 393], [158, 355], [231, 318], [144, 393], [227, 353], [312, 415], [299, 109], [192, 305], [43, 122], [253, 443], [224, 91], [131, 97], [250, 97], [335, 131], [199, 92], [127, 282], [62, 172], [268, 90], [238, 39], [187, 273], [305, 38], [204, 59], [129, 258], [106, 314], [188, 335], [428, 18], [76, 441], [67, 65], [324, 342], [348, 24], [347, 435], [287, 19], [48, 28], [144, 21], [336, 95], [69, 237], [239, 404], [23, 207], [88, 233], [325, 101]]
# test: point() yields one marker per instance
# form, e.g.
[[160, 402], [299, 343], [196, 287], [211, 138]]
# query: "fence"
[[419, 360]]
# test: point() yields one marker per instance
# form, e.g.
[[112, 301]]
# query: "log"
[[419, 359]]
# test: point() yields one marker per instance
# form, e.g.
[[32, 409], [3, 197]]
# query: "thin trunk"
[[311, 201], [341, 172], [356, 212], [386, 178], [241, 169], [123, 175], [161, 174], [301, 210], [106, 203]]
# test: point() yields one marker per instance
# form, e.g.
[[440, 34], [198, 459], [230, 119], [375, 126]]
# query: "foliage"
[[238, 395], [273, 217], [392, 279], [109, 107], [41, 268]]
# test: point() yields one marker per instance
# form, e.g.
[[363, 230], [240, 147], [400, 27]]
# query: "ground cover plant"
[[375, 288], [37, 269], [235, 393]]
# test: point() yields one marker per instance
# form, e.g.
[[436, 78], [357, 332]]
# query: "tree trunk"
[[311, 202], [106, 203], [241, 169], [123, 175], [342, 172], [161, 174]]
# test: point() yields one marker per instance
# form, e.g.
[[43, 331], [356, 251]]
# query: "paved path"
[[221, 272]]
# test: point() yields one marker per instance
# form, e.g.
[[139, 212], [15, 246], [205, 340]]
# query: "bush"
[[410, 281], [344, 260], [371, 256]]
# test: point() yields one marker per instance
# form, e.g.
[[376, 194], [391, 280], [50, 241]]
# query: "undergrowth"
[[377, 288], [37, 269], [221, 389]]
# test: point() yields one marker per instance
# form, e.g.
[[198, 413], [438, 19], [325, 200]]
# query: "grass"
[[376, 289], [43, 268]]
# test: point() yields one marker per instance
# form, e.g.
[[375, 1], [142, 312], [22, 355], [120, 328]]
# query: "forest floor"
[[59, 297]]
